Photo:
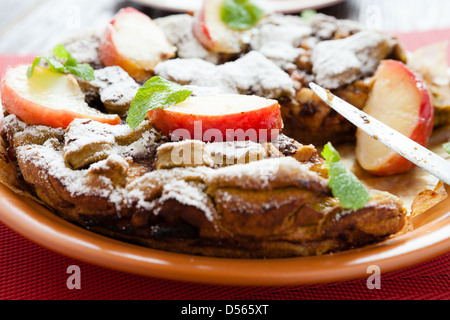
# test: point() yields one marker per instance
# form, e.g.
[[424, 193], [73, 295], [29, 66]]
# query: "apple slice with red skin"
[[212, 32], [227, 117], [401, 100], [47, 98], [133, 41]]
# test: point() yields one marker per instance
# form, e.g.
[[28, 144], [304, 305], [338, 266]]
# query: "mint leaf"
[[308, 14], [70, 64], [240, 14], [343, 184], [83, 71], [61, 53], [330, 154], [446, 147], [156, 93], [53, 64]]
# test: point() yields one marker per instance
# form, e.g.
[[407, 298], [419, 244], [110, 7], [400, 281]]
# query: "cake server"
[[407, 148]]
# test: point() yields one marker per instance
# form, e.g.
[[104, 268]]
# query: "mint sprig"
[[156, 93], [70, 64], [446, 147], [344, 185], [308, 14], [240, 14]]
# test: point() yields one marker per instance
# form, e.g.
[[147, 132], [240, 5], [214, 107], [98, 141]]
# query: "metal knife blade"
[[407, 148]]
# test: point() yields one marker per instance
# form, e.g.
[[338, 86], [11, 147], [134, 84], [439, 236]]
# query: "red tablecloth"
[[31, 272], [28, 271]]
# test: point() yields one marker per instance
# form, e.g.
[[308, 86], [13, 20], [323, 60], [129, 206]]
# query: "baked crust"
[[272, 205]]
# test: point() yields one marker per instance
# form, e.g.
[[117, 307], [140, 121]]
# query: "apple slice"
[[47, 98], [227, 117], [401, 100], [212, 32], [134, 42]]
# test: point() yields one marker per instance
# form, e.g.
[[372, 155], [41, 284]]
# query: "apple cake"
[[240, 199]]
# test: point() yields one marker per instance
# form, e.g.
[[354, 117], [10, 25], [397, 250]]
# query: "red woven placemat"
[[31, 272], [28, 271]]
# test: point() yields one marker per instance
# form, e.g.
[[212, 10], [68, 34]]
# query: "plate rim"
[[56, 234]]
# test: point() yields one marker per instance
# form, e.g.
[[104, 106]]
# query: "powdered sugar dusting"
[[235, 152], [76, 182], [83, 132], [115, 85], [257, 175], [182, 184], [84, 47], [251, 74], [340, 62], [189, 194], [279, 38], [37, 131], [178, 30], [267, 174], [144, 192], [186, 71]]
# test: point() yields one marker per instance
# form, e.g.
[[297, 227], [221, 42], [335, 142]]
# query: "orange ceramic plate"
[[430, 238]]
